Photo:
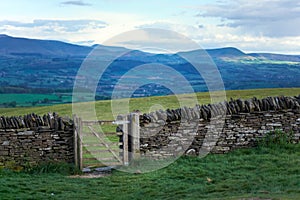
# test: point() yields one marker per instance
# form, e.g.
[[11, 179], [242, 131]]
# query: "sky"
[[252, 26]]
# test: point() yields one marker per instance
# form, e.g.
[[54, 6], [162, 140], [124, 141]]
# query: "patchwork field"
[[103, 108]]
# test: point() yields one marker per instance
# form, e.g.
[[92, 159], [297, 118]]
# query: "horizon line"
[[206, 49]]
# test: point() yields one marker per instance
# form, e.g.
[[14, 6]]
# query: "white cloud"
[[271, 18], [216, 37], [51, 25], [266, 25], [212, 36], [65, 30], [189, 31], [76, 3]]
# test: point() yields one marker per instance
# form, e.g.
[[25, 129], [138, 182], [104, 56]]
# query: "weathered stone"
[[274, 124], [191, 152], [22, 137], [26, 133], [153, 116], [248, 121]]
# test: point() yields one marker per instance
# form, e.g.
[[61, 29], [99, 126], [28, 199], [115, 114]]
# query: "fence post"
[[135, 135], [80, 144], [124, 128], [75, 140]]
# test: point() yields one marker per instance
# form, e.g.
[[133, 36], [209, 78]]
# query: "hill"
[[33, 47], [24, 46], [224, 52], [50, 67], [145, 104], [278, 57]]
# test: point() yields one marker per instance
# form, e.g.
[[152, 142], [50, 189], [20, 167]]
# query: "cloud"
[[271, 18], [217, 36], [52, 25], [187, 30], [172, 36], [153, 40], [86, 42], [76, 3], [75, 31]]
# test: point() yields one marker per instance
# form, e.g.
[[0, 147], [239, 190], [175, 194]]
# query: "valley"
[[49, 69]]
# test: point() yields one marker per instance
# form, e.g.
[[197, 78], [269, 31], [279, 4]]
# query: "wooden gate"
[[105, 146]]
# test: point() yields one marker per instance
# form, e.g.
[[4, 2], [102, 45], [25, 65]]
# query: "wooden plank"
[[98, 151], [121, 122], [107, 133], [124, 127], [135, 135], [80, 144], [113, 159], [110, 134], [113, 133], [114, 164], [112, 148], [99, 164], [101, 122], [101, 143], [104, 143], [93, 145], [75, 141]]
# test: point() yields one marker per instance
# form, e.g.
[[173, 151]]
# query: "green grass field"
[[263, 172], [28, 100], [103, 108]]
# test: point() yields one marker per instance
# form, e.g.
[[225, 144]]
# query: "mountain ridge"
[[18, 46], [47, 67]]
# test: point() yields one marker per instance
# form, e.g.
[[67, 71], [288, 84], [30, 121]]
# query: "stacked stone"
[[50, 120], [225, 108], [32, 139], [221, 127]]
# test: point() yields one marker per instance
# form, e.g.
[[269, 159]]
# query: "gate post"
[[77, 131], [75, 140], [80, 152], [124, 128], [134, 128]]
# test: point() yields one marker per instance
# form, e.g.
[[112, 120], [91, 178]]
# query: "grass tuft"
[[262, 172], [276, 139], [53, 167]]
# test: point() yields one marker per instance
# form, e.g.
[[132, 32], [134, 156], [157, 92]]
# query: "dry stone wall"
[[32, 139], [217, 128]]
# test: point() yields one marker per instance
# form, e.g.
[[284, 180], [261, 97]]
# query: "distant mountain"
[[48, 66], [33, 47], [226, 52], [278, 57], [23, 46]]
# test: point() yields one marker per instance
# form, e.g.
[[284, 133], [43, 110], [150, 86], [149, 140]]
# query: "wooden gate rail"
[[105, 144], [129, 126]]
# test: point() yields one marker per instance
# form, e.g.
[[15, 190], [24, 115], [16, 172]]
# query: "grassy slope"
[[269, 173], [144, 104], [262, 172]]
